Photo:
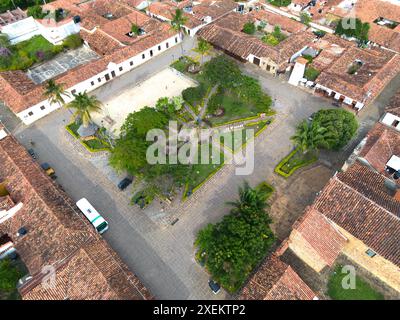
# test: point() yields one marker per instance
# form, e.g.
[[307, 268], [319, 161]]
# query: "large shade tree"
[[83, 106], [232, 248]]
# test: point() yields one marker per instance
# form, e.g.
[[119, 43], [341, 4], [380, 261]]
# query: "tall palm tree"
[[309, 136], [55, 93], [84, 105], [177, 24], [249, 200], [203, 48]]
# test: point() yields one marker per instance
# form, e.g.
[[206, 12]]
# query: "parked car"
[[215, 287], [32, 153], [49, 170], [124, 183]]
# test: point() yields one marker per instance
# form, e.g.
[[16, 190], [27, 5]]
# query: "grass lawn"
[[182, 64], [280, 3], [363, 290], [26, 53], [234, 107], [200, 172], [239, 136], [294, 161], [74, 126], [96, 144]]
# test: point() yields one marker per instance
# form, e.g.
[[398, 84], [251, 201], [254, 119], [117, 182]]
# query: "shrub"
[[280, 3], [311, 73], [194, 95], [249, 28], [270, 39], [73, 41], [36, 12], [305, 18], [355, 28]]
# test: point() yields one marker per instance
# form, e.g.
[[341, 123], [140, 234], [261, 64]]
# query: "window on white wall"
[[167, 45], [73, 91], [42, 107], [159, 48], [30, 113], [99, 79], [131, 63], [120, 68], [143, 56], [92, 83]]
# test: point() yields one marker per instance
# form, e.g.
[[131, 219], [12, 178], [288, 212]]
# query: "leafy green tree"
[[135, 29], [137, 124], [177, 24], [73, 41], [223, 71], [341, 126], [9, 276], [55, 92], [36, 12], [129, 154], [353, 28], [305, 18], [203, 48], [232, 248], [84, 105], [249, 28]]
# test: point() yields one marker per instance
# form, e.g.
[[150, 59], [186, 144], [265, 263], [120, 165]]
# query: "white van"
[[92, 215]]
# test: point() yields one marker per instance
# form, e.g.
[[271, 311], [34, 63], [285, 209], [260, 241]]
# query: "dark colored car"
[[32, 153], [124, 183], [215, 287]]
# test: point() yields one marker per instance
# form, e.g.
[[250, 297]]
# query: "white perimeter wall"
[[43, 108]]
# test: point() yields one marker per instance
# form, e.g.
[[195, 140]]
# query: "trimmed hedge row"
[[293, 169], [83, 143]]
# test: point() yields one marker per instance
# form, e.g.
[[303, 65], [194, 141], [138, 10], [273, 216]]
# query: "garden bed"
[[294, 161], [362, 290], [35, 50], [239, 140], [234, 108], [92, 145], [182, 64], [201, 173]]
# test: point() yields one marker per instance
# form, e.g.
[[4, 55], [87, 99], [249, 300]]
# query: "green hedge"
[[94, 145], [278, 168]]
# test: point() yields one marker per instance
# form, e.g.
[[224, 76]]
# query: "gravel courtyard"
[[119, 104]]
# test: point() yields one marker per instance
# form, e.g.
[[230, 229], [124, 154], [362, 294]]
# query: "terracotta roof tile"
[[58, 235], [275, 280], [320, 235], [348, 202]]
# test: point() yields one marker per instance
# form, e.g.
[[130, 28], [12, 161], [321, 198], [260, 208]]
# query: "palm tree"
[[84, 105], [54, 92], [177, 24], [249, 200], [203, 48], [309, 136]]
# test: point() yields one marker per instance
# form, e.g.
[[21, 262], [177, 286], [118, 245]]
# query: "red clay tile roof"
[[394, 104], [225, 34], [349, 200], [58, 235], [19, 92], [275, 280], [320, 234], [285, 23], [382, 143], [378, 68]]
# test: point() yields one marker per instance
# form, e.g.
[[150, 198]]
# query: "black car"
[[215, 287], [124, 183], [32, 153]]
